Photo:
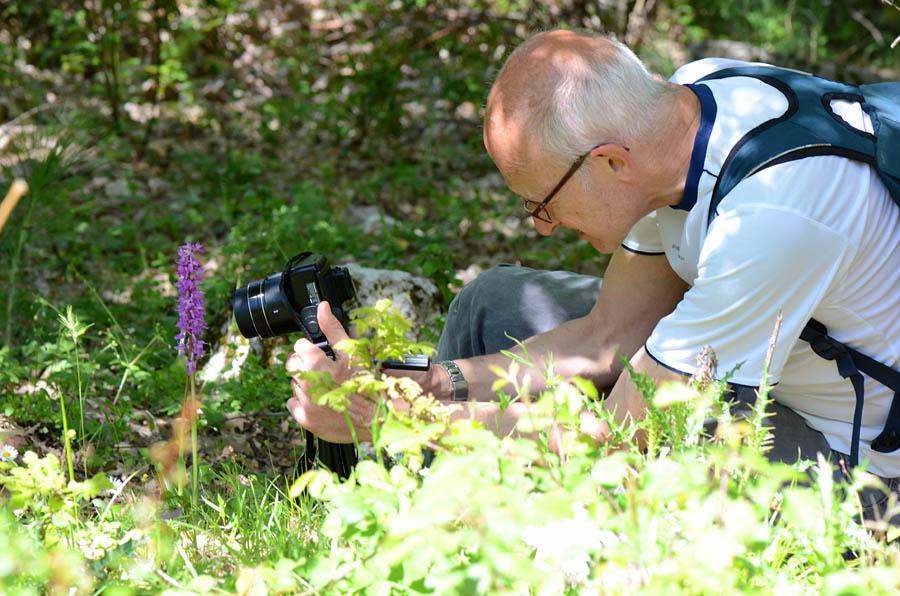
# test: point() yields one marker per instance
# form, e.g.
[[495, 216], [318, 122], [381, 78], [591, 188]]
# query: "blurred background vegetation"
[[263, 128]]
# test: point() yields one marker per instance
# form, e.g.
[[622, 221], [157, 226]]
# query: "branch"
[[18, 188]]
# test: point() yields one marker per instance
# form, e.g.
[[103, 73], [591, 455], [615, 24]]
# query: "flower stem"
[[65, 422], [195, 455]]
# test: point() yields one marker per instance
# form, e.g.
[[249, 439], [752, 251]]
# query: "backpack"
[[809, 127]]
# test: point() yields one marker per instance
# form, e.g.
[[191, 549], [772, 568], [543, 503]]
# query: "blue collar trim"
[[701, 141]]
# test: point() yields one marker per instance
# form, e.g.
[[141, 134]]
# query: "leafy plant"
[[691, 513]]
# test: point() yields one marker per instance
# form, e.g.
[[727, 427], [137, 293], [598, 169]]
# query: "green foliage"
[[805, 32], [690, 515], [260, 131], [27, 567], [39, 493]]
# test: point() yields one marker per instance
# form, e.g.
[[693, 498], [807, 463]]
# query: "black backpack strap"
[[808, 127], [851, 364]]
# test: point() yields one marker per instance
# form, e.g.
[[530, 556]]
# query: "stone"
[[371, 219], [418, 298]]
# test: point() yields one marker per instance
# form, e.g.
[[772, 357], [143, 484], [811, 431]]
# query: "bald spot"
[[534, 76]]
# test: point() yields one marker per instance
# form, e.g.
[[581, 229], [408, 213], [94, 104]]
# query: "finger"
[[331, 327], [298, 412], [592, 426], [307, 356], [294, 363], [303, 345], [298, 387]]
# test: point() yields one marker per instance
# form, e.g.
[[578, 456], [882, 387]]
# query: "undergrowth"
[[693, 513]]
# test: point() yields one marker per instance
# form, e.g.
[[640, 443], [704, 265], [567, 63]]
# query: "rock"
[[118, 188], [419, 299], [371, 219]]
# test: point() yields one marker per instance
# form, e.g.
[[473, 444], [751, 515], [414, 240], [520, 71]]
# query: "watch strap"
[[460, 385]]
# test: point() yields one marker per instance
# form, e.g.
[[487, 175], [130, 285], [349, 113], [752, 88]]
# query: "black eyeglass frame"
[[540, 212]]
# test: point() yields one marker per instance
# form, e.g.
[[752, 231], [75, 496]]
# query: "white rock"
[[371, 219], [419, 299]]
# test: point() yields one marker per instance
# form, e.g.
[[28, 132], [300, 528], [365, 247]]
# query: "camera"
[[285, 303]]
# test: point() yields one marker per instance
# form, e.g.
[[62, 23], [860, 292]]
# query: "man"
[[594, 143]]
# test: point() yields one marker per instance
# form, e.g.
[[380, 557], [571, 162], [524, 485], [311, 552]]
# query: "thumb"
[[330, 326]]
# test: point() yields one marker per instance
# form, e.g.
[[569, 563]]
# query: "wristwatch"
[[460, 386]]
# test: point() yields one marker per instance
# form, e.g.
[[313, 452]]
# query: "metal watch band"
[[460, 386]]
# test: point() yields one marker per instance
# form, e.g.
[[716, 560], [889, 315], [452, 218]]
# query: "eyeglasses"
[[538, 210]]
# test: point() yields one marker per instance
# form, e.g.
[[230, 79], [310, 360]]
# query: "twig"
[[169, 579], [19, 187], [868, 25], [251, 415], [435, 447], [27, 113], [772, 341], [611, 501]]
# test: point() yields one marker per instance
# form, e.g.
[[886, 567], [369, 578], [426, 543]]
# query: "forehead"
[[515, 152], [539, 76]]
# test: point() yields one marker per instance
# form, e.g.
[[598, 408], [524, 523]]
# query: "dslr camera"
[[285, 303]]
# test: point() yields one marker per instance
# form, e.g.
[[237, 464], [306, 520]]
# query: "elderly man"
[[596, 144]]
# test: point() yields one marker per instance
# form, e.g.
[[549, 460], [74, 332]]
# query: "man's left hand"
[[324, 422]]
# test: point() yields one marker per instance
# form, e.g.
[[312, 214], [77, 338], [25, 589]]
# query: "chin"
[[597, 243]]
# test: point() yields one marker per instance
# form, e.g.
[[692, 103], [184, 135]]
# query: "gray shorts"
[[508, 303]]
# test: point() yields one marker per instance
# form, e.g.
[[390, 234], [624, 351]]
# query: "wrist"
[[452, 383]]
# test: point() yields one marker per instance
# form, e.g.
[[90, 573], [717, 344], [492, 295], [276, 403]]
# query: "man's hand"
[[322, 420]]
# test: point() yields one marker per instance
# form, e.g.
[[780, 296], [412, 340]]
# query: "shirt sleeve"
[[757, 261], [644, 238]]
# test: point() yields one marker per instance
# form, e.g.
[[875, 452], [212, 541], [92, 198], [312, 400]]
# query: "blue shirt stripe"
[[701, 141]]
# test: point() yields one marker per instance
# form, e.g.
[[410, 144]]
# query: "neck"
[[669, 153]]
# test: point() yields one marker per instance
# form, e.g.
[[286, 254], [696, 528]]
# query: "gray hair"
[[610, 97]]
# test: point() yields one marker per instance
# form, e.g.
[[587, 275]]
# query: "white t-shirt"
[[816, 238]]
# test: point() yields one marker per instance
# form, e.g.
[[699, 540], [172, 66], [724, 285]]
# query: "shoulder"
[[693, 71], [825, 191]]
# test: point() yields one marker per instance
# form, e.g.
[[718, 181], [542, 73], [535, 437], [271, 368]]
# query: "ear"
[[616, 159]]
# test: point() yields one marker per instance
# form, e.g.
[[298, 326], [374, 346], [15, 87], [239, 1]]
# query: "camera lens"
[[261, 309]]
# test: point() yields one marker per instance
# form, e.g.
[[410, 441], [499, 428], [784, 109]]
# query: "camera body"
[[286, 302]]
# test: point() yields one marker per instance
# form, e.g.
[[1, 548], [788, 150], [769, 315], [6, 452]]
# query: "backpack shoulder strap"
[[808, 127]]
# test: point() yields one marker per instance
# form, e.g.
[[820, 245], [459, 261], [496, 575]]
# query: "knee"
[[473, 326], [486, 292]]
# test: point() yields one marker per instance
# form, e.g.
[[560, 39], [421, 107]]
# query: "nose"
[[544, 228]]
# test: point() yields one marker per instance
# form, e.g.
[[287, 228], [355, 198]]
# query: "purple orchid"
[[191, 306]]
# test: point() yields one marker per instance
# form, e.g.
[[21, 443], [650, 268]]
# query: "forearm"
[[626, 401], [576, 348], [637, 291]]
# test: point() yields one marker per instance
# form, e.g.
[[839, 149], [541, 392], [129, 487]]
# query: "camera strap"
[[310, 328]]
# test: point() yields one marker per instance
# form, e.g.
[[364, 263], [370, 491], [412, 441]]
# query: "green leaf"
[[586, 387], [398, 437], [611, 470], [314, 481]]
